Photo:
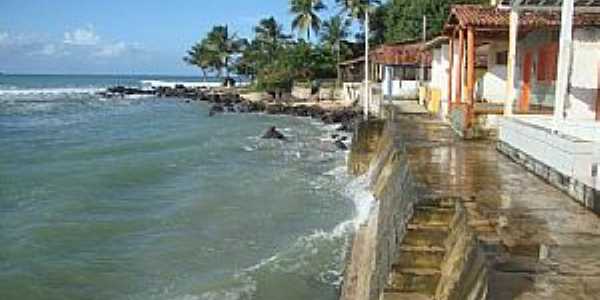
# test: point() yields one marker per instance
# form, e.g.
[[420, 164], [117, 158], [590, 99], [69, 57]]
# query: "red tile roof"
[[408, 53], [401, 54], [493, 17]]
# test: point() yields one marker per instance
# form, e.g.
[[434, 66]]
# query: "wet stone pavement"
[[539, 242]]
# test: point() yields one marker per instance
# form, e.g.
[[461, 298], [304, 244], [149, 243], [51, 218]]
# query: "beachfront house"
[[401, 65], [394, 72], [477, 59], [556, 66]]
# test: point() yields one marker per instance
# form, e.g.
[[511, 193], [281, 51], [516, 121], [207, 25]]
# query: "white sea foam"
[[363, 199], [172, 84], [49, 91], [307, 246], [244, 291]]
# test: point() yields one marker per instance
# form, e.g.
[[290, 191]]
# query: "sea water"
[[147, 198]]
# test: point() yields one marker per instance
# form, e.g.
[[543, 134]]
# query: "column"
[[564, 60], [471, 66], [461, 66], [450, 71], [511, 62]]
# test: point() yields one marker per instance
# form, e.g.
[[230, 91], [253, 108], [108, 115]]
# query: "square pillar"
[[461, 66], [471, 66], [450, 70], [564, 59], [511, 62]]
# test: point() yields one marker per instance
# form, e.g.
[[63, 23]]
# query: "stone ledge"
[[585, 195]]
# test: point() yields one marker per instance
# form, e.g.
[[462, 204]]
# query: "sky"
[[120, 36]]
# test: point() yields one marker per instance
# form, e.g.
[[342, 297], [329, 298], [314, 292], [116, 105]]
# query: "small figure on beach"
[[273, 133]]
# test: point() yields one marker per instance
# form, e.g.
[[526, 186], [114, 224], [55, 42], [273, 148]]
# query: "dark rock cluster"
[[230, 101]]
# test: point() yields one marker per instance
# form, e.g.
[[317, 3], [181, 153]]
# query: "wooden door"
[[526, 85]]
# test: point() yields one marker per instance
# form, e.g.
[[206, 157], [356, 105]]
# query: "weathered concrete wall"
[[464, 269], [376, 244], [538, 243], [301, 91], [364, 146]]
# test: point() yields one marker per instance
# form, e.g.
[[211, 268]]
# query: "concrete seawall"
[[456, 219]]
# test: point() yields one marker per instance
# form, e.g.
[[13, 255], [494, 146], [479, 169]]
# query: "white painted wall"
[[404, 89], [569, 155], [456, 61], [581, 104], [439, 76], [493, 84]]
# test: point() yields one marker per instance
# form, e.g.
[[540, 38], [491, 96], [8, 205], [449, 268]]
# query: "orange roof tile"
[[493, 17]]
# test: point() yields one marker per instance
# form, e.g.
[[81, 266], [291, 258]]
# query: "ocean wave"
[[244, 290], [363, 199], [49, 91], [300, 256]]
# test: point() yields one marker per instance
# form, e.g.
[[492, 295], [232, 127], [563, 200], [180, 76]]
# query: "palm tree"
[[200, 56], [224, 45], [306, 15], [270, 34], [335, 30]]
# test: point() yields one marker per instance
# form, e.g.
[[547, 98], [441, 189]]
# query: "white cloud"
[[49, 49], [111, 50], [3, 37], [82, 37]]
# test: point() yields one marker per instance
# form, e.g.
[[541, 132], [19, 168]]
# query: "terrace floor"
[[541, 244]]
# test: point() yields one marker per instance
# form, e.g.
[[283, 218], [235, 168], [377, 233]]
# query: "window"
[[502, 58], [397, 73], [410, 74]]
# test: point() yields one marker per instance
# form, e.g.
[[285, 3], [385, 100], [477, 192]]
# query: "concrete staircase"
[[417, 271]]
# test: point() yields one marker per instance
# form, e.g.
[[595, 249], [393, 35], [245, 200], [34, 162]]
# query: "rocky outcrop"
[[232, 101], [273, 133]]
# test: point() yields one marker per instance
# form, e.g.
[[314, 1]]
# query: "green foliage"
[[215, 52], [306, 15], [404, 18], [274, 61], [356, 8], [199, 55], [298, 61]]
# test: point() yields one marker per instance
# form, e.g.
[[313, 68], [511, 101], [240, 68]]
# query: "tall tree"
[[199, 55], [270, 35], [403, 18], [225, 45], [334, 32], [306, 15]]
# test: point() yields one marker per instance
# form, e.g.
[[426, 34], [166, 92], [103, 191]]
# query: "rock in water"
[[217, 108], [340, 145], [273, 133]]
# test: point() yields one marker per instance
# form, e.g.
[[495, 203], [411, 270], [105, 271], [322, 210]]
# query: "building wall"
[[581, 104], [492, 87], [400, 89], [542, 92], [438, 86], [455, 67]]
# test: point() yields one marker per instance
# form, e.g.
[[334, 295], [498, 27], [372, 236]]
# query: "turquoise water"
[[151, 199]]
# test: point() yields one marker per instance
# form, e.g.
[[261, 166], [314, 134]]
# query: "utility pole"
[[366, 96], [424, 38]]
